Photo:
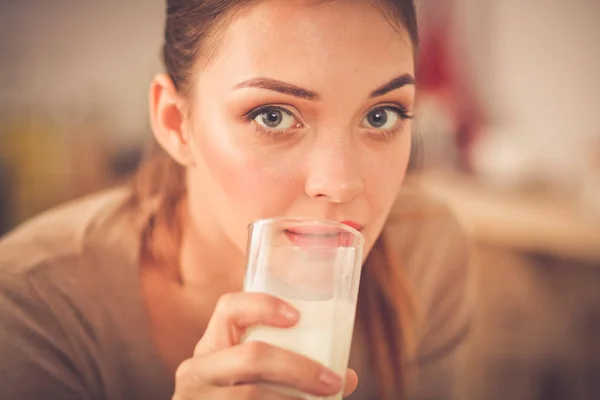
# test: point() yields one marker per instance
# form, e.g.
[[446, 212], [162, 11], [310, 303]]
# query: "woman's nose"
[[334, 172]]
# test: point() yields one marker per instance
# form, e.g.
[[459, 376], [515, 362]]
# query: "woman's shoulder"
[[421, 228], [433, 248], [68, 301], [45, 317], [60, 233], [413, 203]]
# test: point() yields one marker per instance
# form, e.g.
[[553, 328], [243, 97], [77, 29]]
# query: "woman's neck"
[[179, 309], [208, 259]]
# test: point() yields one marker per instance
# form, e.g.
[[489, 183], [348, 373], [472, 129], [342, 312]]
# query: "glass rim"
[[272, 220]]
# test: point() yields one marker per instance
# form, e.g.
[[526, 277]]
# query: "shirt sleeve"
[[36, 360], [437, 258]]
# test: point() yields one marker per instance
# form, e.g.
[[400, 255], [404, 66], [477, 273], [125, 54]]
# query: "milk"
[[323, 333]]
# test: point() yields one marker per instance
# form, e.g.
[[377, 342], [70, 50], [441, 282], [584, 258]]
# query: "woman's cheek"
[[258, 185]]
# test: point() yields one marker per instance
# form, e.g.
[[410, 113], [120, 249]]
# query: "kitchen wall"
[[73, 57]]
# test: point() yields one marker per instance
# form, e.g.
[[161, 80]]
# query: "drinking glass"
[[314, 265]]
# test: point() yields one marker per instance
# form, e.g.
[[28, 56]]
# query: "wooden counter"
[[529, 222]]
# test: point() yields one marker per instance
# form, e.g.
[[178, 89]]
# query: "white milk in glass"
[[323, 333], [322, 283]]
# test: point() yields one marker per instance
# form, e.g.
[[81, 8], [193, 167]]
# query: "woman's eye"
[[384, 118], [275, 118]]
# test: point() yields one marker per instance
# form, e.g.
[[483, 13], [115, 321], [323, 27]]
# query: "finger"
[[246, 392], [351, 382], [235, 312], [254, 362], [257, 392]]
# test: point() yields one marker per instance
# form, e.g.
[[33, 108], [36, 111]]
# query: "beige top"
[[73, 325]]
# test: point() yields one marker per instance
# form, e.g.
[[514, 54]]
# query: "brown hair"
[[385, 313]]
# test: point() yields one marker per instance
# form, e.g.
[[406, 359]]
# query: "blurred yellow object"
[[49, 164], [590, 191], [35, 160]]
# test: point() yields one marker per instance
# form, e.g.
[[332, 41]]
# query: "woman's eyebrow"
[[396, 83], [279, 86], [296, 91]]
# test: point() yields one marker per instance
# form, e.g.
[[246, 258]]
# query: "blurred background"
[[508, 135]]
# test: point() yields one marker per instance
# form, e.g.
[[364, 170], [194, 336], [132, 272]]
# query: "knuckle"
[[225, 302], [273, 302], [268, 299], [184, 371], [266, 304]]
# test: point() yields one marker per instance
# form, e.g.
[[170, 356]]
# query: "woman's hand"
[[222, 368]]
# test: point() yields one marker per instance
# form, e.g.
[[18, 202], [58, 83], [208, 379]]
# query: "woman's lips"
[[354, 225], [320, 240], [322, 236], [316, 230]]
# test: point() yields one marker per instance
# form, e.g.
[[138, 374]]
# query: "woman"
[[268, 108]]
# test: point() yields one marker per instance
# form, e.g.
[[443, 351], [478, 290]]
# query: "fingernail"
[[288, 312], [330, 379]]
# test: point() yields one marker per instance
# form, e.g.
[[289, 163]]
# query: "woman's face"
[[302, 111]]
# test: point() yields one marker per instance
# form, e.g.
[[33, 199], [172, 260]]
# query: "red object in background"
[[440, 73]]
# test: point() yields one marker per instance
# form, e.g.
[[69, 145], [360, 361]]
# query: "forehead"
[[312, 44]]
